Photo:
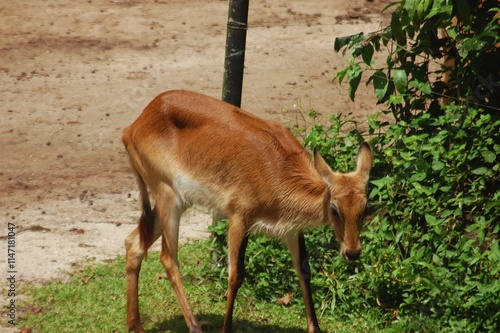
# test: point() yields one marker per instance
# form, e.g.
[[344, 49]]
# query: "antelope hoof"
[[136, 328], [195, 329]]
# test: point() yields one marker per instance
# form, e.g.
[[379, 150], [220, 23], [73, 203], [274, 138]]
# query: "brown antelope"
[[187, 149]]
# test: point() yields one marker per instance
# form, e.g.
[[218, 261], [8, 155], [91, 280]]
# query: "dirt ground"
[[73, 74]]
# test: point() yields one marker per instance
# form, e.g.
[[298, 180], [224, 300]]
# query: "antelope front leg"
[[237, 243], [297, 247]]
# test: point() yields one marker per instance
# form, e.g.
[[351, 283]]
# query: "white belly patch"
[[193, 193]]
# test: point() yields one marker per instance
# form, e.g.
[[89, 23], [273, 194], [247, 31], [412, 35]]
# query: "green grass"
[[94, 301]]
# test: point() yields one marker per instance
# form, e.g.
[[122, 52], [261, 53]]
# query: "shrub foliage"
[[431, 257], [422, 66]]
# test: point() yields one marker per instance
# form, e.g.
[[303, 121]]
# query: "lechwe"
[[188, 149]]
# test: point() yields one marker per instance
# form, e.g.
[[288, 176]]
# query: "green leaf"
[[400, 80], [422, 165], [423, 7], [380, 84], [452, 32], [354, 77], [425, 88], [438, 8], [417, 177], [340, 42], [437, 165], [470, 44], [404, 20], [436, 259], [446, 213], [396, 99], [488, 155], [382, 182], [411, 7], [422, 86], [445, 189], [340, 75], [430, 219], [480, 171], [367, 54], [396, 29], [392, 4]]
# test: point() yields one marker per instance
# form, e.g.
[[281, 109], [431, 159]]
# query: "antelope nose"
[[352, 256]]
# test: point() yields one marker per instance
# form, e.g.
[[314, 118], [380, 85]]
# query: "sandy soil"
[[73, 74]]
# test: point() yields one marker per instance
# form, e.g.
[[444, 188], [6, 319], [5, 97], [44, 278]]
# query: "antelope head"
[[347, 201]]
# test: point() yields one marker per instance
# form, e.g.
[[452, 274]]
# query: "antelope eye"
[[335, 210]]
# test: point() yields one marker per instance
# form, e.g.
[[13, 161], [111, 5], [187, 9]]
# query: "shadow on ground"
[[213, 323]]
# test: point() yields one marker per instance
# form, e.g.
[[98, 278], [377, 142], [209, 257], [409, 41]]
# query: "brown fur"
[[146, 221], [187, 148]]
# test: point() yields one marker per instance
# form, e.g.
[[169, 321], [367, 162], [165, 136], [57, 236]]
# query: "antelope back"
[[221, 157]]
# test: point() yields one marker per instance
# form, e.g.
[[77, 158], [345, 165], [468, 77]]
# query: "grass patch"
[[94, 301]]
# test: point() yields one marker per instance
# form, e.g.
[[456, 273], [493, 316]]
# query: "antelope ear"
[[321, 166], [365, 159]]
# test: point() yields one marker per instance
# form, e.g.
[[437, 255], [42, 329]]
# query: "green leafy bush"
[[431, 257], [421, 65], [437, 180]]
